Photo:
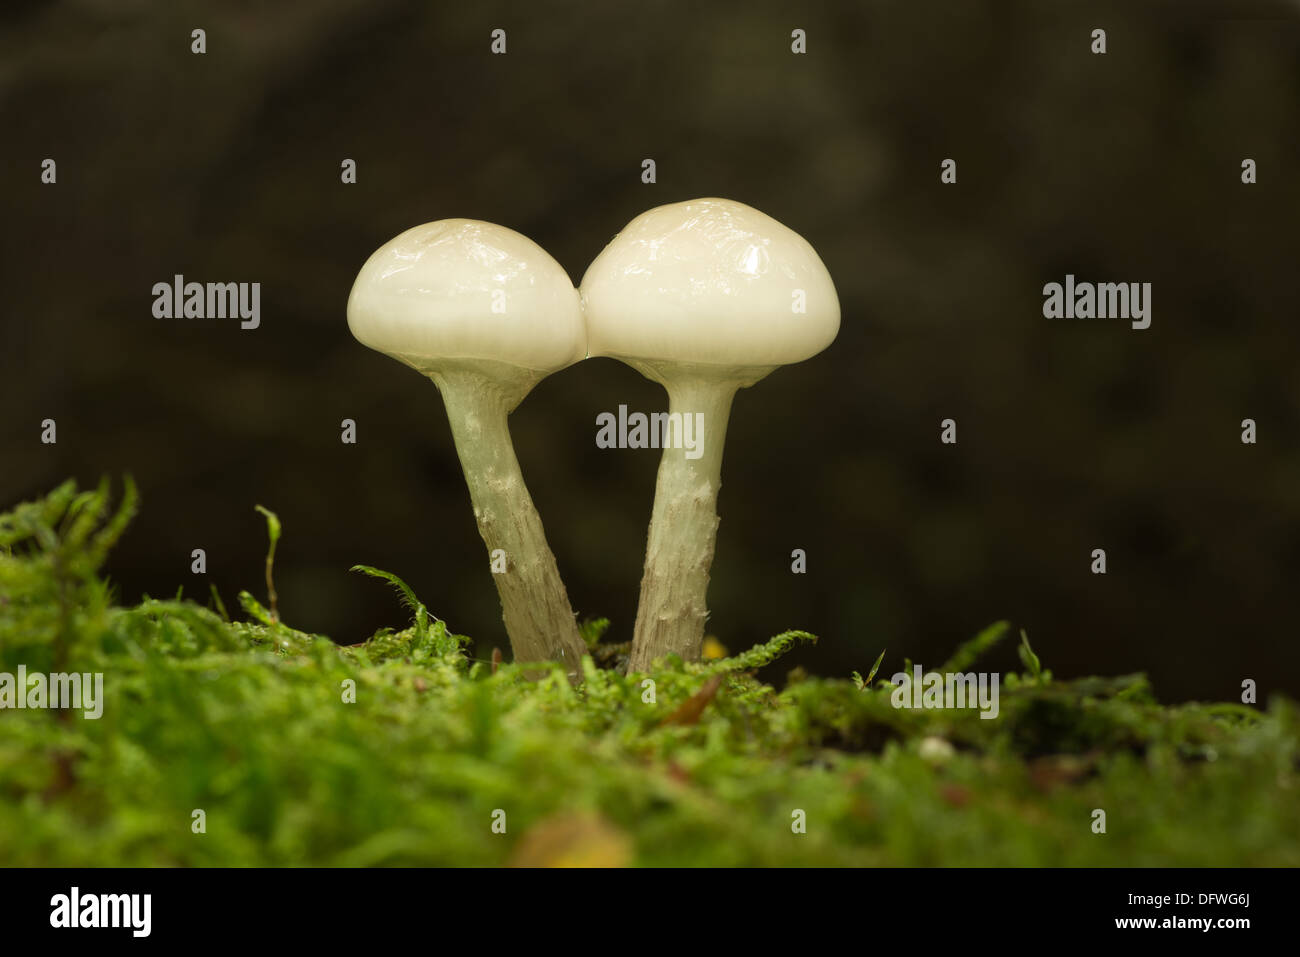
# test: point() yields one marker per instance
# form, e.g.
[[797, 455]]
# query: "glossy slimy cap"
[[467, 290], [709, 282]]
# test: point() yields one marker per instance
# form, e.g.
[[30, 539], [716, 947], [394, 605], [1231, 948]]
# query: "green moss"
[[248, 721]]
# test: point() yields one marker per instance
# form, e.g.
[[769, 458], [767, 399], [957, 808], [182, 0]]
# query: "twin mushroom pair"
[[704, 297]]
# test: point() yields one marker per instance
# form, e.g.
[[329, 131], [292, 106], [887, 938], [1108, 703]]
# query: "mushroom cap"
[[460, 289], [709, 282]]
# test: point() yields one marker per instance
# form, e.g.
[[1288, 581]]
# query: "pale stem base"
[[534, 603], [683, 529]]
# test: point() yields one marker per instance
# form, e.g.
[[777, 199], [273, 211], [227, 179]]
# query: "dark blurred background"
[[1072, 435]]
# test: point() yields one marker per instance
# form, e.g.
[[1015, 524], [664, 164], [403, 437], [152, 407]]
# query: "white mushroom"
[[486, 314], [704, 297]]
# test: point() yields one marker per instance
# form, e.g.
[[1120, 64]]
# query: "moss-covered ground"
[[254, 724]]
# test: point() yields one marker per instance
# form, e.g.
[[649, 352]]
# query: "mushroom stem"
[[534, 603], [684, 523]]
